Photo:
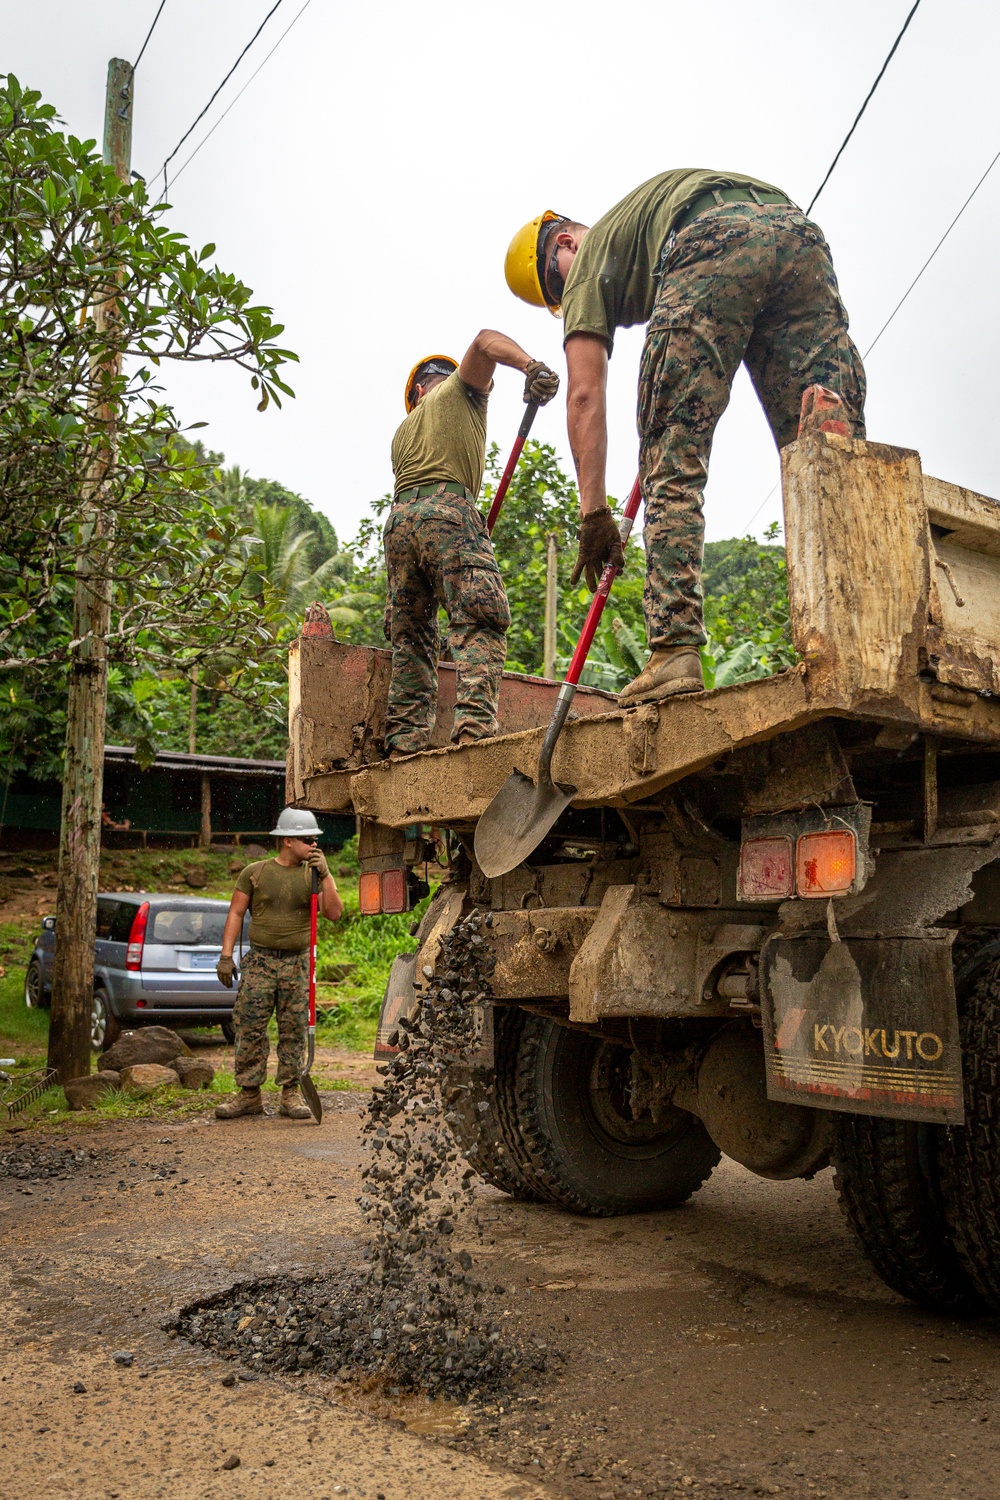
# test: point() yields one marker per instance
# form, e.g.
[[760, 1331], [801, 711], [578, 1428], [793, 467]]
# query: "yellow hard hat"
[[410, 394], [523, 267]]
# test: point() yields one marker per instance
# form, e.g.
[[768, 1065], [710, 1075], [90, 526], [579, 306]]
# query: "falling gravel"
[[414, 1312]]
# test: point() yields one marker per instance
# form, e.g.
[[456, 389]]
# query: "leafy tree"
[[97, 498]]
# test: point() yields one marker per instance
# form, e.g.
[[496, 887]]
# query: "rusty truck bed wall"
[[894, 587]]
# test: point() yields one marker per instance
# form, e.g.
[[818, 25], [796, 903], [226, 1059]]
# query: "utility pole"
[[193, 714], [86, 709], [551, 606]]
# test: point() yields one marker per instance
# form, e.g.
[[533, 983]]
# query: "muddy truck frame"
[[768, 925]]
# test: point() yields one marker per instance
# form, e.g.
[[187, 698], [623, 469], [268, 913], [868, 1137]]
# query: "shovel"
[[508, 473], [523, 811], [306, 1084]]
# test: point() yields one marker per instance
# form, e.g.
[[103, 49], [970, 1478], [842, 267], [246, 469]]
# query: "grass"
[[369, 944]]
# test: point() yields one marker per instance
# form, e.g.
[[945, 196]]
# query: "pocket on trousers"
[[479, 598]]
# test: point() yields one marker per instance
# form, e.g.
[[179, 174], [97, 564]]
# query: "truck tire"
[[588, 1155], [484, 1116], [971, 1152], [887, 1180]]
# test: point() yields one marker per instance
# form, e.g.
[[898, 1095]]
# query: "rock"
[[123, 1357], [79, 1389], [146, 1078], [195, 877], [84, 1093], [228, 1380], [235, 866], [194, 1072], [255, 851], [232, 1462], [151, 1044]]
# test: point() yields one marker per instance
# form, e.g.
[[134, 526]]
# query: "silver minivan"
[[154, 962]]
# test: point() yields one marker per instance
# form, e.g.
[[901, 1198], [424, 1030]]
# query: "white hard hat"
[[293, 822]]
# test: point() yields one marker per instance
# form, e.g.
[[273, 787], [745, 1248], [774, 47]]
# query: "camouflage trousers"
[[746, 283], [271, 982], [438, 555]]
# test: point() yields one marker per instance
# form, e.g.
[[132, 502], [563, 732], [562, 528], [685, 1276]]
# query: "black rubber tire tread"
[[489, 1138], [228, 1029], [970, 1156], [580, 1168], [886, 1181]]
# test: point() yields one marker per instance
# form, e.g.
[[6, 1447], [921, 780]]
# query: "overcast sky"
[[367, 183]]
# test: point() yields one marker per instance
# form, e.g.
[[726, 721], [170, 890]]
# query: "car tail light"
[[394, 889], [136, 938], [370, 893], [826, 863], [767, 869]]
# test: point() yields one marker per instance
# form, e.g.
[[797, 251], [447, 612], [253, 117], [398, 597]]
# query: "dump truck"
[[768, 924]]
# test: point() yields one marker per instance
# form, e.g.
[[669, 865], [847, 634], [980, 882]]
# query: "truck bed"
[[894, 587]]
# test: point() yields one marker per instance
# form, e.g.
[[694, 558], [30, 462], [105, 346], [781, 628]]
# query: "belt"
[[279, 952], [728, 195], [442, 487]]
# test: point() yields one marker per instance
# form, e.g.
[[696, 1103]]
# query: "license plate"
[[204, 960]]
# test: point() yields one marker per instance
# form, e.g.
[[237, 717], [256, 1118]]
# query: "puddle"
[[439, 1418]]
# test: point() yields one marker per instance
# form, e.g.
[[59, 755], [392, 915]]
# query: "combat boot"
[[670, 670], [291, 1107], [246, 1102]]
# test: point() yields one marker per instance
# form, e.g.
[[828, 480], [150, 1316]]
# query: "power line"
[[864, 106], [242, 91], [930, 257], [902, 299], [218, 91], [149, 33]]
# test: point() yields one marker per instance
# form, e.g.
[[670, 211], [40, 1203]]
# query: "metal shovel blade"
[[311, 1097], [517, 820]]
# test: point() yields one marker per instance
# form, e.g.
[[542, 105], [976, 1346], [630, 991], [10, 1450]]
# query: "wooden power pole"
[[551, 606], [86, 709]]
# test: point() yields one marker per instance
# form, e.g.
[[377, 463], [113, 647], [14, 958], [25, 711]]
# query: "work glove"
[[600, 543], [317, 861], [226, 970], [540, 383]]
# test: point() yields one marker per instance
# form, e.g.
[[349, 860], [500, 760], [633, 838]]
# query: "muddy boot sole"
[[664, 690]]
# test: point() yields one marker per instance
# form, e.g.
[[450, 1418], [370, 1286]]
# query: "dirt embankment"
[[736, 1345]]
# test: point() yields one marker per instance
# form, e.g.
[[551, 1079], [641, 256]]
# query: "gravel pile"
[[28, 1163], [414, 1313]]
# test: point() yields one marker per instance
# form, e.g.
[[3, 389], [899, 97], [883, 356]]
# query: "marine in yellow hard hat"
[[431, 364], [525, 267]]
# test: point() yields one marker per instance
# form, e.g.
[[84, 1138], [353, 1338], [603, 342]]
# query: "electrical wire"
[[868, 96], [242, 91], [149, 33], [902, 299], [930, 257], [218, 91]]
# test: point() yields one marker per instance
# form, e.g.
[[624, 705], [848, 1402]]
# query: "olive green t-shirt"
[[612, 281], [279, 904], [444, 438]]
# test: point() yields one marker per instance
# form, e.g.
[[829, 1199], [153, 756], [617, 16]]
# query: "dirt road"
[[738, 1344]]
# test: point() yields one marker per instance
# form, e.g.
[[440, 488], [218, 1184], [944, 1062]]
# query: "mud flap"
[[400, 999], [867, 1025]]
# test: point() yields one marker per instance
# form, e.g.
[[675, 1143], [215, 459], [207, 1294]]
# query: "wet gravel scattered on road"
[[414, 1313], [32, 1163]]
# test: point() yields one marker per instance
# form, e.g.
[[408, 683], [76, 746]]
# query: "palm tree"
[[282, 552]]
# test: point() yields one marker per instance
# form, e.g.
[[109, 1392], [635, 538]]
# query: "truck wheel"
[[589, 1155], [971, 1152], [484, 1116], [887, 1182]]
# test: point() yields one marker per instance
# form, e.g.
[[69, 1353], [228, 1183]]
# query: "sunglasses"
[[306, 841]]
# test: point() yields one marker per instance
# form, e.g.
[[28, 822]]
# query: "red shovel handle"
[[508, 473], [600, 598], [313, 910]]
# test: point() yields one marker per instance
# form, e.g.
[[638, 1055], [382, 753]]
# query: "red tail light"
[[394, 889], [767, 869], [136, 938]]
